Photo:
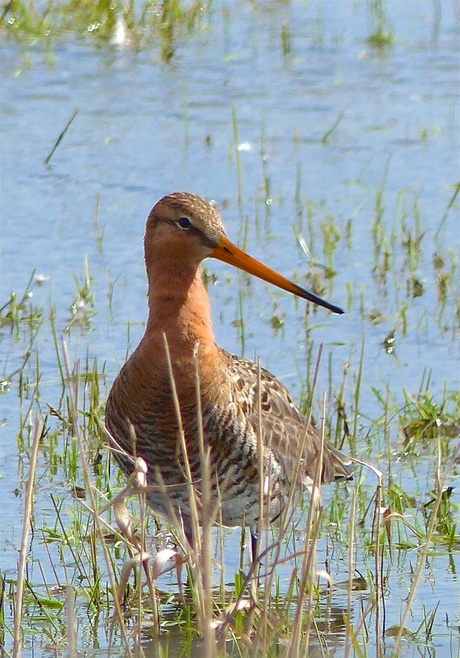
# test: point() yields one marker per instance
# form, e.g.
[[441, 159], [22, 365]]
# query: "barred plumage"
[[182, 230]]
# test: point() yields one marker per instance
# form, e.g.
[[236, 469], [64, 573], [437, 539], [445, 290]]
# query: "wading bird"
[[235, 394]]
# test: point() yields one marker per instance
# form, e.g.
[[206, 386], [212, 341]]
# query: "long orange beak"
[[230, 253]]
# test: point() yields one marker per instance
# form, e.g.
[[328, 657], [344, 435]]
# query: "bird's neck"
[[179, 311]]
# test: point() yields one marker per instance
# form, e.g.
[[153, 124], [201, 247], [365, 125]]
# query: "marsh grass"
[[380, 26], [164, 25], [99, 560], [19, 312], [107, 566], [136, 25], [97, 572], [98, 565], [61, 136]]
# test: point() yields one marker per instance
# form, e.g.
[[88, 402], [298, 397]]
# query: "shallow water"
[[145, 128]]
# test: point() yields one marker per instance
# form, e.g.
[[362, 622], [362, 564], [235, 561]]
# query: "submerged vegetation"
[[367, 571]]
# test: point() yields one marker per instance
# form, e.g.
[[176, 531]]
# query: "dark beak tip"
[[337, 310]]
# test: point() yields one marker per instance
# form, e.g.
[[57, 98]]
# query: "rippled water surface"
[[334, 139]]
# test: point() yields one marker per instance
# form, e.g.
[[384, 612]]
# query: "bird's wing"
[[286, 432]]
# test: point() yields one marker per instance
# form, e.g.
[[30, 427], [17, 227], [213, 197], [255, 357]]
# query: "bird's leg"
[[254, 557], [253, 532]]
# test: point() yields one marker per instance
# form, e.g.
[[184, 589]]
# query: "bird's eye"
[[184, 223]]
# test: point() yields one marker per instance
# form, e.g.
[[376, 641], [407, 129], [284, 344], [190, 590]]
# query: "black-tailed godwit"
[[182, 230]]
